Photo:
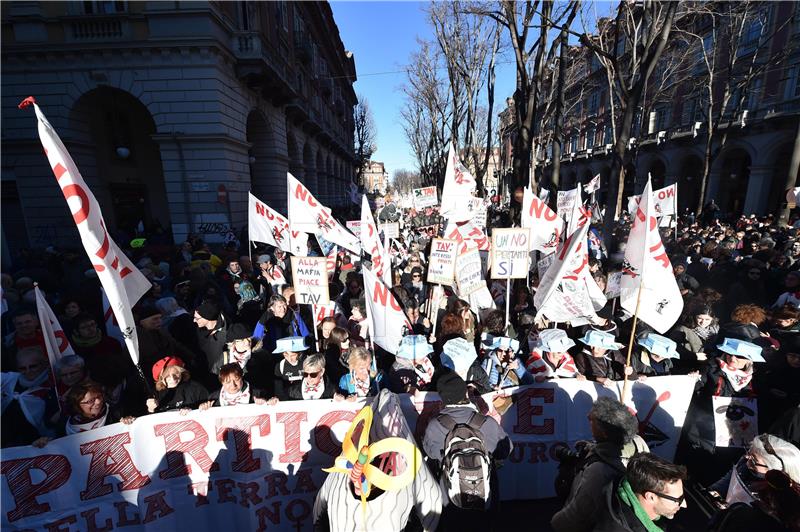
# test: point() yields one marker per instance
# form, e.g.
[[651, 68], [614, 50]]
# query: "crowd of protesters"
[[220, 329]]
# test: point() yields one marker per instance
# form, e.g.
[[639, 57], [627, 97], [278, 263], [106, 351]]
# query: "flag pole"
[[626, 382], [508, 301]]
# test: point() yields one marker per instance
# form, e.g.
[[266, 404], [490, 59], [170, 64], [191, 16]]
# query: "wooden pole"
[[508, 302], [626, 382]]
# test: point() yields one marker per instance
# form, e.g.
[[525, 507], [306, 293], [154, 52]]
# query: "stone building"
[[761, 153], [173, 111], [375, 178]]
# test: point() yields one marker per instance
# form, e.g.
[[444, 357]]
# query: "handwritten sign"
[[391, 230], [425, 197], [310, 276], [442, 261], [469, 274], [510, 248]]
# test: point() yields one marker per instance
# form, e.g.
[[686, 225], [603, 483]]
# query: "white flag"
[[388, 322], [458, 189], [55, 340], [576, 214], [371, 244], [309, 215], [267, 225], [665, 201], [123, 282], [593, 185], [545, 225], [112, 327], [648, 267]]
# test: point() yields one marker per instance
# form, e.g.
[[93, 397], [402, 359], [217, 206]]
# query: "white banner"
[[457, 193], [381, 264], [468, 235], [593, 185], [123, 282], [425, 197], [354, 226], [252, 467], [665, 201], [510, 249], [545, 225], [112, 327], [55, 340], [310, 280], [267, 225], [442, 261], [469, 273], [565, 201], [308, 215], [388, 322]]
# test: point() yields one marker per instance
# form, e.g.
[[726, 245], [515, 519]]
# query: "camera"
[[569, 464]]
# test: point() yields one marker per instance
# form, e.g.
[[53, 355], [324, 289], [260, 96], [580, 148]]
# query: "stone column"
[[758, 189]]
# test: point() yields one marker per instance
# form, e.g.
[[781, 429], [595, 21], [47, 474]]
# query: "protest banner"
[[310, 277], [390, 230], [266, 225], [458, 189], [381, 262], [479, 212], [354, 226], [565, 200], [468, 235], [613, 285], [510, 247], [545, 225], [328, 310], [255, 467], [442, 261], [735, 421], [388, 321], [469, 272], [665, 201], [425, 197], [55, 340]]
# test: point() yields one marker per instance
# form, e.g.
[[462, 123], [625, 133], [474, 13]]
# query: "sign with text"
[[442, 263], [510, 247], [468, 273], [425, 197], [310, 276], [391, 230], [354, 226], [613, 285]]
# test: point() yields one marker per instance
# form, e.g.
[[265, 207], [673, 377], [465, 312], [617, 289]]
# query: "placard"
[[735, 421], [442, 263], [310, 276], [354, 226], [425, 197], [390, 230], [510, 253], [565, 201], [469, 274], [613, 285]]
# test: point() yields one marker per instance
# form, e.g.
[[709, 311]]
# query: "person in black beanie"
[[212, 338], [155, 343]]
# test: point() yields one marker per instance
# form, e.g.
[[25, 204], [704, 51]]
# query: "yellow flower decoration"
[[356, 460]]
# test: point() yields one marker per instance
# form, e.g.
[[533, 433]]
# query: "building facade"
[[173, 111], [761, 128], [375, 178]]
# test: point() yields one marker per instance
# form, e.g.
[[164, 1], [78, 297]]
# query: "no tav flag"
[[55, 340], [381, 263], [267, 225], [388, 322], [458, 189], [647, 267], [123, 282]]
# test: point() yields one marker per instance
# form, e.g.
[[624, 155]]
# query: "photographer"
[[613, 426]]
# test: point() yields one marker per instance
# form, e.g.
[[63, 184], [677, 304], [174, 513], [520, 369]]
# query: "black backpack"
[[467, 465]]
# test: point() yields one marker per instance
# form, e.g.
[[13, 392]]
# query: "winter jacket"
[[187, 394], [611, 366], [614, 515]]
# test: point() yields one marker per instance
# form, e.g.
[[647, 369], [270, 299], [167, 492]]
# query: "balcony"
[[260, 66], [97, 29]]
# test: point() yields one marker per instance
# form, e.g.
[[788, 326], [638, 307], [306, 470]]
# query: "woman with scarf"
[[315, 383], [246, 351], [416, 286], [601, 360], [697, 336], [235, 390], [175, 389], [364, 379], [278, 322], [728, 375], [503, 367], [551, 359]]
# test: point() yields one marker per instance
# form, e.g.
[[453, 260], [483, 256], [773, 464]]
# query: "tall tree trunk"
[[558, 121]]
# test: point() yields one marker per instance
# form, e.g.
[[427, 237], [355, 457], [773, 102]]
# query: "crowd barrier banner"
[[253, 467]]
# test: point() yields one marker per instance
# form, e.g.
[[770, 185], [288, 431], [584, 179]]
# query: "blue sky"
[[382, 36]]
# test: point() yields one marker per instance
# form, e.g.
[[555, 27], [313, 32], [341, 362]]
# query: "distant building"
[[375, 177], [173, 111]]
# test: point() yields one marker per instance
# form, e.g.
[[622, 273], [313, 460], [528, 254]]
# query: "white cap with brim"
[[740, 348], [293, 344]]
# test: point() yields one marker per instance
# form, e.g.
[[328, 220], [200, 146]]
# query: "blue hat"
[[414, 347], [555, 341], [659, 345], [740, 348], [458, 354], [295, 344], [504, 342], [595, 338]]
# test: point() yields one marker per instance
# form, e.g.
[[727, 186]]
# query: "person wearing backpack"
[[463, 447]]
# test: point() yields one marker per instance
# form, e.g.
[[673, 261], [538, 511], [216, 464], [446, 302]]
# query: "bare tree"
[[404, 181], [364, 135]]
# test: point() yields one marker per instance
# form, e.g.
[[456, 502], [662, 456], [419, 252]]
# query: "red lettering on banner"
[[323, 435], [56, 526], [56, 469], [241, 428], [539, 209], [662, 256], [291, 436], [63, 343], [380, 294], [264, 513], [260, 209], [176, 450], [83, 211], [91, 521], [110, 457], [156, 505], [224, 490], [276, 482], [122, 514], [59, 170], [302, 193], [526, 410], [248, 491]]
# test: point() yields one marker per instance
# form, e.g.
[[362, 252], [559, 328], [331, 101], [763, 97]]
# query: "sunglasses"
[[416, 276], [311, 375], [677, 500]]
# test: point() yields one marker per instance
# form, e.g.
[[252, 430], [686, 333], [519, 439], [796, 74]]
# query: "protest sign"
[[442, 262], [510, 249], [665, 201], [613, 285], [735, 421], [468, 235], [388, 322], [468, 272], [328, 310], [310, 276], [354, 226], [250, 467], [479, 212], [390, 230], [565, 200], [425, 197], [545, 225]]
